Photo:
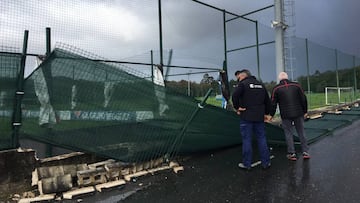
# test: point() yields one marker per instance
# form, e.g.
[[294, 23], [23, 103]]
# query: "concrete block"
[[56, 184], [91, 176], [51, 171]]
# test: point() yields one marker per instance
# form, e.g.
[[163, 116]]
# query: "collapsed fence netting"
[[75, 101], [137, 108], [9, 69]]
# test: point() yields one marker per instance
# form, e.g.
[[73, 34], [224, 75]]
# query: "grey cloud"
[[194, 31]]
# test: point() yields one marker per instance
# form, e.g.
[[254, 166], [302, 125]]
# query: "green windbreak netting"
[[344, 117], [79, 103], [9, 67], [83, 102], [116, 111], [212, 128], [317, 128], [355, 111], [324, 124]]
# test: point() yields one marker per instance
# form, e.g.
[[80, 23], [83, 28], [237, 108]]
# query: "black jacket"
[[252, 95], [291, 99]]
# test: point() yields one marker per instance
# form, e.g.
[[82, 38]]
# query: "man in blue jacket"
[[251, 102], [293, 109]]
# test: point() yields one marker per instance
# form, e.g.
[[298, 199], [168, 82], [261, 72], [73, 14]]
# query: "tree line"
[[318, 81]]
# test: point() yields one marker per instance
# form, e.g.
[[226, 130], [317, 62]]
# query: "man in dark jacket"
[[293, 108], [251, 101]]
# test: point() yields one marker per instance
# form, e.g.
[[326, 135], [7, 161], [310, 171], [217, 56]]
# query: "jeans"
[[247, 128]]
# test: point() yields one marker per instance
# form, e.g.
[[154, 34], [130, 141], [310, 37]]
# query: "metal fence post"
[[308, 68], [355, 82], [225, 43], [48, 75], [160, 39], [16, 121], [152, 65], [257, 50], [337, 74]]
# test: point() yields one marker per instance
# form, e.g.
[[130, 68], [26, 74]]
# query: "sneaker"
[[291, 156], [306, 155], [242, 166]]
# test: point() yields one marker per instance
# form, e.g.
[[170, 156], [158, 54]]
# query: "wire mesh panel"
[[9, 68], [78, 100], [345, 69], [357, 77], [241, 44], [139, 99], [322, 73]]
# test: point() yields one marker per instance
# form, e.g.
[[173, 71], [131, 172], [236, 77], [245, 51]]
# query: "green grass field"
[[315, 100]]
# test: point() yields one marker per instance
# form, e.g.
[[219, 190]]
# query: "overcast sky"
[[128, 29], [332, 23]]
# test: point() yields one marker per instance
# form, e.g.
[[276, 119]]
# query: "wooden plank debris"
[[34, 177], [336, 112], [153, 170], [135, 175], [100, 164], [178, 168], [39, 198], [78, 192], [61, 157], [108, 185], [316, 116]]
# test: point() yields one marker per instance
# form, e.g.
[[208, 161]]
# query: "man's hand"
[[267, 118], [306, 117], [239, 110]]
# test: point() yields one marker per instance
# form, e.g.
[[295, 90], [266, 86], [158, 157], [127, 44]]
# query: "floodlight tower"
[[279, 26], [284, 25], [289, 35]]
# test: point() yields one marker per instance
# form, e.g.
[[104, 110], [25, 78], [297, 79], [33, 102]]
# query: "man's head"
[[242, 74], [283, 76]]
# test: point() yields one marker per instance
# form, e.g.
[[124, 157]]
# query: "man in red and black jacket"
[[293, 109], [251, 101]]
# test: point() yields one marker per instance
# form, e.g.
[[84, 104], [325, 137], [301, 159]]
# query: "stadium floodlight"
[[275, 24]]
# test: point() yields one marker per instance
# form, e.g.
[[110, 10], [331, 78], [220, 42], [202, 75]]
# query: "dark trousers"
[[247, 128], [288, 126]]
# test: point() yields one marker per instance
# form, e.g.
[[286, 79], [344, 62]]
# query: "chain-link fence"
[[9, 69], [123, 79], [77, 100]]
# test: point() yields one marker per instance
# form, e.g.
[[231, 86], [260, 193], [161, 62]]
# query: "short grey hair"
[[283, 75]]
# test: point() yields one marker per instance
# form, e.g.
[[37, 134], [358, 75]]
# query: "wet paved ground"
[[331, 175]]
